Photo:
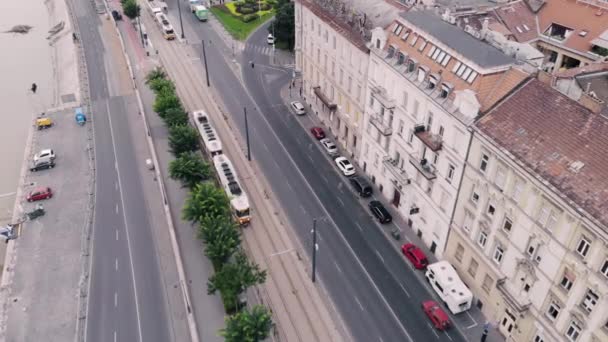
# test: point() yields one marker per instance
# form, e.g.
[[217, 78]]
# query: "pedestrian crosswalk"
[[258, 49]]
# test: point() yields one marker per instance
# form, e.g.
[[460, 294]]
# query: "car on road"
[[345, 166], [46, 154], [440, 319], [329, 146], [116, 15], [39, 193], [415, 255], [41, 165], [270, 39], [317, 132], [380, 212], [361, 186], [298, 107]]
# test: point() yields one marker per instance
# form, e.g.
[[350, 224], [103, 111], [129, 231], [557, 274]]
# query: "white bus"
[[239, 202], [213, 144], [445, 281], [165, 26]]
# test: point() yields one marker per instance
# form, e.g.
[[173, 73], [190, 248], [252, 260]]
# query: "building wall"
[[539, 250], [435, 199], [329, 60]]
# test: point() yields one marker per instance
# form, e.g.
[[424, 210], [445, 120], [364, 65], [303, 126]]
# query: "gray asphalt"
[[125, 302]]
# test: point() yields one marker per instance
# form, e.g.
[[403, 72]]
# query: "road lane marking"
[[338, 267], [358, 226], [116, 234], [359, 303], [116, 208], [404, 290], [380, 338], [472, 319], [433, 330], [309, 157], [303, 209], [448, 335], [115, 336], [115, 299], [289, 186], [379, 256], [116, 185], [325, 179], [116, 264], [340, 200], [122, 202]]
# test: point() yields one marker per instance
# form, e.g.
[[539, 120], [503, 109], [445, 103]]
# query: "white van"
[[445, 281]]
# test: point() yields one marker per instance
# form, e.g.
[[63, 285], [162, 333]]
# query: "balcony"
[[423, 166], [398, 173], [378, 122], [331, 106], [380, 94], [517, 299], [433, 141]]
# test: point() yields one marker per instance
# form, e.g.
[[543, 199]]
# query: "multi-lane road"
[[126, 297], [375, 291]]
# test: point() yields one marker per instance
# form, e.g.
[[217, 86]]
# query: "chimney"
[[593, 104]]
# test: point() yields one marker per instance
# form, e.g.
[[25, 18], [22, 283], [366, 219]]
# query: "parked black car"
[[42, 164], [380, 212], [361, 186], [117, 16]]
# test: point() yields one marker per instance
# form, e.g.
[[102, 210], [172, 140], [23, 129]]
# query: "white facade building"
[[428, 81]]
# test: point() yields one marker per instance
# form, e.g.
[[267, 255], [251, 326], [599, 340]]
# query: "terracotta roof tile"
[[548, 132], [519, 19]]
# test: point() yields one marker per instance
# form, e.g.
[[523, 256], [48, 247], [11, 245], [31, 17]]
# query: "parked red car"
[[415, 255], [440, 319], [39, 194], [317, 132]]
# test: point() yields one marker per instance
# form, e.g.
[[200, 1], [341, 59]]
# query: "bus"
[[239, 203], [201, 12], [211, 141], [165, 26], [445, 281]]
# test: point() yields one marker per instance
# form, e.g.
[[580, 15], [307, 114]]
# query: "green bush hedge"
[[266, 7], [245, 10], [249, 17]]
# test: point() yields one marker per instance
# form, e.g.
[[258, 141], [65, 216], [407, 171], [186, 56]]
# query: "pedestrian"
[[34, 88], [252, 65], [300, 91]]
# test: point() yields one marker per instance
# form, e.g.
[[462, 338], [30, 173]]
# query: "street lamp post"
[[247, 135], [205, 61], [141, 34], [314, 249], [181, 24]]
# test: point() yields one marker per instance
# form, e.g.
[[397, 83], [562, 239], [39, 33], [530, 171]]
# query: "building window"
[[459, 252], [414, 40], [518, 190], [404, 100], [583, 247], [422, 46], [468, 221], [411, 66], [531, 249], [474, 196], [473, 267], [500, 179], [333, 38], [483, 165], [341, 76], [487, 283], [410, 138], [491, 209], [589, 301], [573, 332], [400, 130], [350, 83], [429, 122], [507, 225], [432, 82], [400, 58], [371, 99], [451, 170], [553, 311], [566, 282], [405, 35], [498, 254], [391, 51], [482, 239], [377, 43], [445, 90], [604, 269], [538, 338]]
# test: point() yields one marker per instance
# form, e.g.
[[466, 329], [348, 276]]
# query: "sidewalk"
[[470, 324], [300, 311]]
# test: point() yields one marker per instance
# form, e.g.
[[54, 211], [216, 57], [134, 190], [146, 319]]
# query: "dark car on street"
[[380, 212], [117, 16], [42, 165], [361, 186]]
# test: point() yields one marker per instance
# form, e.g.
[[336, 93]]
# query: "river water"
[[24, 59]]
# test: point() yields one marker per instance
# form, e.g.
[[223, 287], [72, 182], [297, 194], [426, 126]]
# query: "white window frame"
[[451, 171], [499, 254], [484, 162], [504, 225], [604, 268], [501, 178], [573, 332], [474, 196], [467, 223], [583, 246], [482, 238], [590, 300], [554, 306], [566, 283], [491, 204]]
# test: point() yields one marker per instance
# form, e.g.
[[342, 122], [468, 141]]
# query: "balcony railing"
[[378, 122], [380, 94], [423, 166], [433, 141], [519, 301], [398, 173]]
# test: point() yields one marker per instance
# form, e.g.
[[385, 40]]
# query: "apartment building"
[[332, 56], [427, 82], [530, 232]]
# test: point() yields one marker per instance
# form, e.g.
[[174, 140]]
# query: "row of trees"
[[284, 23], [208, 207], [130, 8]]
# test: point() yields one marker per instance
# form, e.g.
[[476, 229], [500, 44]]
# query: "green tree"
[[190, 169], [234, 278], [131, 9], [156, 73], [159, 84], [205, 200], [284, 24], [248, 326], [175, 117], [183, 139], [221, 237], [165, 100]]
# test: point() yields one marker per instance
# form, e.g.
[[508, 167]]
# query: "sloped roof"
[[548, 132], [520, 20]]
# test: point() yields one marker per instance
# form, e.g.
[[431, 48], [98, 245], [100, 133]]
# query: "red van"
[[440, 319]]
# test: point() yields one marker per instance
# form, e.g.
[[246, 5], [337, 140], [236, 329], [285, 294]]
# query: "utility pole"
[[141, 34], [274, 39], [247, 135], [181, 24], [205, 60], [314, 249]]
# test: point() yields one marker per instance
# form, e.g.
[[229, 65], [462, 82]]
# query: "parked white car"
[[329, 146], [345, 166], [46, 154], [298, 107], [270, 39]]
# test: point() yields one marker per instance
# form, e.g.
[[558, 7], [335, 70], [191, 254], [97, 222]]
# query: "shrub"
[[245, 10], [251, 2], [249, 17], [266, 7], [272, 3]]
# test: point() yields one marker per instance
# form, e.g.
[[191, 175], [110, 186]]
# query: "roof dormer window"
[[411, 65], [405, 35], [557, 31], [400, 58], [422, 71], [414, 40], [391, 52], [446, 89], [433, 80]]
